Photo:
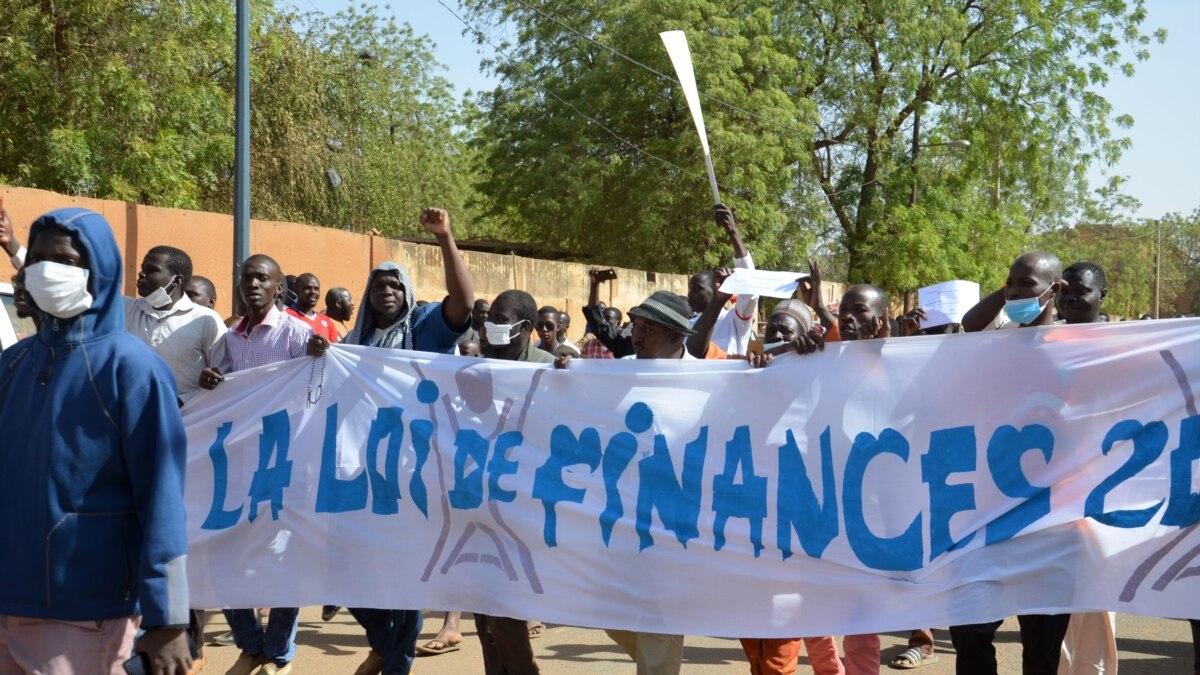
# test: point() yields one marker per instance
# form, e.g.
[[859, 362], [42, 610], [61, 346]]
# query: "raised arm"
[[978, 317], [697, 344], [620, 345], [457, 308], [593, 287], [8, 240], [810, 293], [724, 216]]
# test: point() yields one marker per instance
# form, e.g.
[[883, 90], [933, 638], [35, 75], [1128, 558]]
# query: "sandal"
[[536, 629], [912, 658], [428, 649]]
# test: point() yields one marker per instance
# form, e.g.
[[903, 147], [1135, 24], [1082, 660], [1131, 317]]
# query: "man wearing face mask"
[[95, 472], [187, 336], [506, 335], [507, 331], [389, 318], [1027, 297]]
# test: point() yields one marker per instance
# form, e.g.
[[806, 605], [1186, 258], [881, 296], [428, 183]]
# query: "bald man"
[[339, 306], [1026, 298]]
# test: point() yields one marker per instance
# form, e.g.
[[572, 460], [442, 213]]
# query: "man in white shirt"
[[733, 329], [185, 335]]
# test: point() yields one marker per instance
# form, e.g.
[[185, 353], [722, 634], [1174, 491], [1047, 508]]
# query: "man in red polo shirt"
[[308, 294]]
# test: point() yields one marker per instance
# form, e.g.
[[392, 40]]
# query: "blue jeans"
[[393, 633], [277, 643]]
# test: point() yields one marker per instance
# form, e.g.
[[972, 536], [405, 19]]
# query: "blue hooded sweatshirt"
[[93, 451]]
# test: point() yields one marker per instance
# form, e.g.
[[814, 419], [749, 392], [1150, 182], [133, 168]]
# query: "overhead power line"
[[675, 167], [589, 118], [655, 71]]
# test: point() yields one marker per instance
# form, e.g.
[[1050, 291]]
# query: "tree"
[[114, 99], [352, 125], [834, 101], [1128, 252], [591, 154], [134, 101]]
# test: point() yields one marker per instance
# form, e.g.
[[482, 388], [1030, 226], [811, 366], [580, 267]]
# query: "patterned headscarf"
[[798, 311]]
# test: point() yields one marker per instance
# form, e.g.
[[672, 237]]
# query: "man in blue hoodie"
[[94, 464]]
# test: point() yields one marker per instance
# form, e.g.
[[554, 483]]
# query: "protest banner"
[[878, 485]]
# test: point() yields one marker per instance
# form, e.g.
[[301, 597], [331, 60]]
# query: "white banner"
[[880, 485]]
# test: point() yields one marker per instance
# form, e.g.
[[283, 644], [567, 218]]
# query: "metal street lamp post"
[[241, 162]]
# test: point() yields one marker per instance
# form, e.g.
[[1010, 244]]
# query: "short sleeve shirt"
[[429, 330], [318, 322], [279, 337]]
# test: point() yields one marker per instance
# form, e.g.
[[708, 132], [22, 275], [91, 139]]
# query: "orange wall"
[[337, 258]]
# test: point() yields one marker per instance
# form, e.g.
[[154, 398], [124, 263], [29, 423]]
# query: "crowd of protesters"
[[96, 471]]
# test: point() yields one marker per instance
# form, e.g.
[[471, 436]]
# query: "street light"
[[241, 180], [959, 143], [916, 150]]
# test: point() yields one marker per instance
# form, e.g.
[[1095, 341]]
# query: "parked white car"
[[12, 328]]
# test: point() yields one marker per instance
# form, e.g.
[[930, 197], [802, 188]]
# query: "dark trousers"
[[195, 632], [506, 648], [1041, 645], [1196, 644], [393, 633]]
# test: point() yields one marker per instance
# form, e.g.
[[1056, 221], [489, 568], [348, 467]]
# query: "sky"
[[1163, 96]]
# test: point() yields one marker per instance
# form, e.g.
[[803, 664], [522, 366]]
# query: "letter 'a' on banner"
[[681, 58]]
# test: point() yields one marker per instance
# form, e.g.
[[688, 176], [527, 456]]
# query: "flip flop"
[[446, 648], [536, 629], [911, 658]]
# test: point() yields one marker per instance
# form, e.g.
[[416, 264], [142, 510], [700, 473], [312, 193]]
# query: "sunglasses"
[[547, 325]]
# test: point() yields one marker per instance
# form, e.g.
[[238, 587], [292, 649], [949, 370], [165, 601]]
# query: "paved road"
[[1148, 647]]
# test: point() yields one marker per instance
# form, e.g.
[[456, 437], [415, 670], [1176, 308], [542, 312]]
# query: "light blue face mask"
[[1025, 310], [772, 345]]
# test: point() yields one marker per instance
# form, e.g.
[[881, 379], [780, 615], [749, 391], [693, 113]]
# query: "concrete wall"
[[337, 258]]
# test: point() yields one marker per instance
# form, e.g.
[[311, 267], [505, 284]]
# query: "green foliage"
[[134, 101], [557, 177], [822, 150], [1127, 251], [812, 116], [110, 98]]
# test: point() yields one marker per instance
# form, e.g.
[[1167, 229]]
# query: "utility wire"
[[735, 190], [655, 71], [704, 177]]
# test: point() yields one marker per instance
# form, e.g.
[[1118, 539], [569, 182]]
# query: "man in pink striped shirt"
[[266, 335]]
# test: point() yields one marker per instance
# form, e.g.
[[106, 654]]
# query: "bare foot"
[[449, 635]]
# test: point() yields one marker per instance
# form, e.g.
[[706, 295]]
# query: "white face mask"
[[160, 298], [59, 290], [500, 334]]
